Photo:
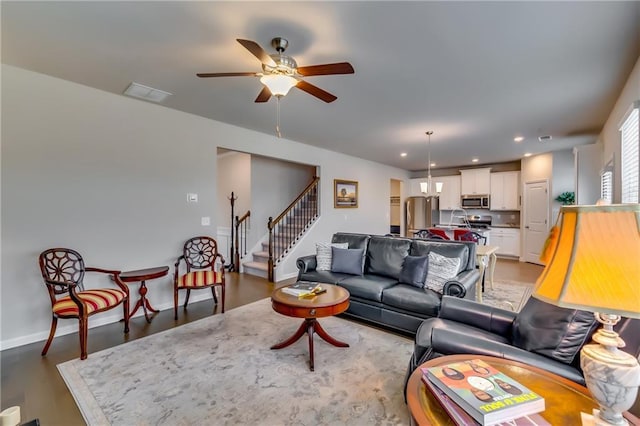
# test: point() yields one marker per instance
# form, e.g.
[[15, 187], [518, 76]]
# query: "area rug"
[[510, 295], [220, 371]]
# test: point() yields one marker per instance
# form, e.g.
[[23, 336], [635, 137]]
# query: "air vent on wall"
[[147, 93], [544, 138]]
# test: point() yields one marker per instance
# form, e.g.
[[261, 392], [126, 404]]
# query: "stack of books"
[[473, 392], [303, 289]]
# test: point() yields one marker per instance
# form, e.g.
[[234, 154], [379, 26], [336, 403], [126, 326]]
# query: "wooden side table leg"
[[310, 329], [291, 340]]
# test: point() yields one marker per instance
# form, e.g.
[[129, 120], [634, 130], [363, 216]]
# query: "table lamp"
[[593, 264]]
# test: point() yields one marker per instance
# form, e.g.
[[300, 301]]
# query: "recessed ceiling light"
[[475, 160], [518, 138], [147, 93], [527, 154], [403, 154], [433, 164]]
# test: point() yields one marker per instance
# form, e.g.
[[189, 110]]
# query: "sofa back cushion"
[[347, 261], [557, 333], [385, 256], [354, 241], [465, 251]]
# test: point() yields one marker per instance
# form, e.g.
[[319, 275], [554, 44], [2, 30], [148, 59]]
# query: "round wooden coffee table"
[[333, 302], [564, 399]]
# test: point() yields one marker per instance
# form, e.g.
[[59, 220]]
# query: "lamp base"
[[612, 377], [594, 419]]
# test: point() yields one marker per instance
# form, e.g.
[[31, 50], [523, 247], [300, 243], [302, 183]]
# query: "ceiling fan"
[[280, 72]]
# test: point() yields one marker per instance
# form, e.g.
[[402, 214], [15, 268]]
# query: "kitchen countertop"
[[506, 225]]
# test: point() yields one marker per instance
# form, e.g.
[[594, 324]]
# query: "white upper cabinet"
[[505, 191], [450, 195], [475, 181]]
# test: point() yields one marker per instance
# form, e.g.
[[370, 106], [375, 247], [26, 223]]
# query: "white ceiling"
[[476, 73]]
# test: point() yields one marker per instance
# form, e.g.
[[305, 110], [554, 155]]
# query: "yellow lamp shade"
[[594, 263]]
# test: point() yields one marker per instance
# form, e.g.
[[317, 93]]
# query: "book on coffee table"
[[461, 418], [302, 288], [487, 395]]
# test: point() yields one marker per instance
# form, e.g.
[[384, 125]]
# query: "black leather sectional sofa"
[[378, 296], [541, 334]]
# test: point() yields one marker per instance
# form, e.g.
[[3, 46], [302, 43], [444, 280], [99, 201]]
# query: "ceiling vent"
[[147, 93], [544, 138]]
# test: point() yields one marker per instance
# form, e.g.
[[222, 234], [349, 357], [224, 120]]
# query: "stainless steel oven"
[[475, 201]]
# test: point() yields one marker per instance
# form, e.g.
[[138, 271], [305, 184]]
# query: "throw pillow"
[[414, 270], [323, 255], [441, 269], [347, 261]]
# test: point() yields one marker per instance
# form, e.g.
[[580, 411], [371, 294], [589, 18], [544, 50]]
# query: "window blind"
[[606, 185], [630, 156]]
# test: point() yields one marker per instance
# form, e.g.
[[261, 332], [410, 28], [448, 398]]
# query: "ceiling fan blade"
[[226, 74], [258, 52], [264, 95], [327, 69], [316, 91]]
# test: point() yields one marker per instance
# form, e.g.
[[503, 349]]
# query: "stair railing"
[[287, 228], [241, 226]]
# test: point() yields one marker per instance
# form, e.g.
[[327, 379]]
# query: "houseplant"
[[567, 198]]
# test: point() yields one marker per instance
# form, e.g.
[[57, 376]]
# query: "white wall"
[[563, 176], [588, 164], [610, 135], [108, 176], [275, 184], [234, 175]]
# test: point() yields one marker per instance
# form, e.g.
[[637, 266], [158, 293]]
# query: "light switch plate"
[[192, 198], [205, 221]]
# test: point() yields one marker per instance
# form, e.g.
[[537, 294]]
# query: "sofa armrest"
[[306, 264], [485, 317], [463, 285]]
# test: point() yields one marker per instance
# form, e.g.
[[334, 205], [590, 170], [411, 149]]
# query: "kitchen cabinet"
[[450, 195], [505, 191], [475, 181], [508, 241]]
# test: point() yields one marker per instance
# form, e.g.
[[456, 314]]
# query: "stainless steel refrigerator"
[[421, 213]]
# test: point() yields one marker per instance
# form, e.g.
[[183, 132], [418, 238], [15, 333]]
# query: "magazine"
[[301, 288], [486, 394], [461, 418]]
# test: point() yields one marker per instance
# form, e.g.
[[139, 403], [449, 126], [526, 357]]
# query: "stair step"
[[260, 256], [257, 269], [256, 265]]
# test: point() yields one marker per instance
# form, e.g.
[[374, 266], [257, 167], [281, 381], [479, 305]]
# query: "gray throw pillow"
[[347, 261], [323, 255], [414, 270], [441, 270]]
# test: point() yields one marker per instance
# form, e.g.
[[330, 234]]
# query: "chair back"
[[200, 253], [61, 266], [472, 236]]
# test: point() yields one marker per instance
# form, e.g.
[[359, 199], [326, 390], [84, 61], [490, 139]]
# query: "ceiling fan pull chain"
[[278, 116]]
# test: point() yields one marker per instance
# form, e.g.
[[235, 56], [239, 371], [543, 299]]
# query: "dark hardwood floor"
[[33, 382]]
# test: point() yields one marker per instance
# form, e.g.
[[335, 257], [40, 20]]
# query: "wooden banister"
[[289, 225]]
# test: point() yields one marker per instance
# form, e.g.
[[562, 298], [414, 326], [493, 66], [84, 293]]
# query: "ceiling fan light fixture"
[[278, 84]]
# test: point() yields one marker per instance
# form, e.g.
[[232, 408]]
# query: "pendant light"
[[427, 187]]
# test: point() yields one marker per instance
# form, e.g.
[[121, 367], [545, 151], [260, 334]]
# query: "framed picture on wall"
[[345, 193]]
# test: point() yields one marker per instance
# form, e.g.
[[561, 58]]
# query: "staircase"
[[284, 232]]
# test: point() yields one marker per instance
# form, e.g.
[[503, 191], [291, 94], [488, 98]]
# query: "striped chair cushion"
[[94, 299], [199, 279]]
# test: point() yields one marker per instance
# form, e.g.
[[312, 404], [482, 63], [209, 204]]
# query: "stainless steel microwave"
[[475, 202]]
